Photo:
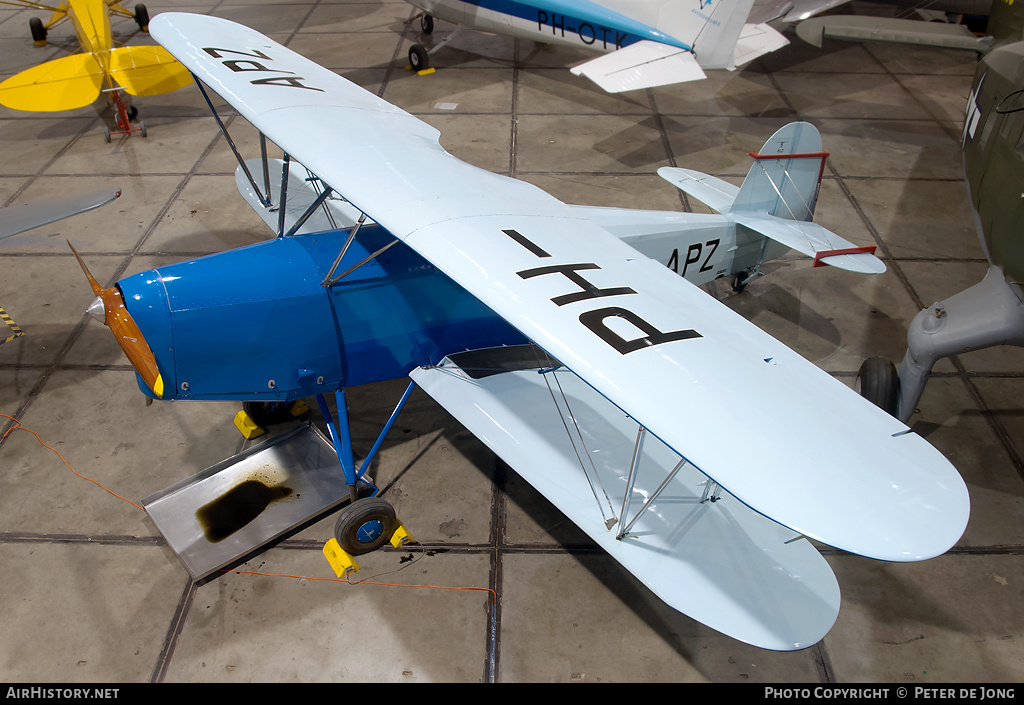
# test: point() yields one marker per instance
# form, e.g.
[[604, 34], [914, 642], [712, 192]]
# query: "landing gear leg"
[[367, 523], [419, 56], [740, 281], [341, 437]]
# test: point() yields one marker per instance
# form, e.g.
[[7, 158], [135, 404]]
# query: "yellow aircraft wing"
[[147, 70], [62, 84]]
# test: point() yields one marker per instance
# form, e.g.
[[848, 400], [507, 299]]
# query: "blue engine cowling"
[[256, 323]]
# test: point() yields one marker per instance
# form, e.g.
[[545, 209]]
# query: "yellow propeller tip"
[[158, 386]]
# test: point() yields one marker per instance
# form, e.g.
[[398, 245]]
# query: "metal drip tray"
[[238, 505]]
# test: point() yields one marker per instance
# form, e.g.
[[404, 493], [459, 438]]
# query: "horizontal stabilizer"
[[887, 29], [709, 190], [62, 84], [757, 40], [18, 219], [147, 70], [645, 64], [719, 562], [814, 241]]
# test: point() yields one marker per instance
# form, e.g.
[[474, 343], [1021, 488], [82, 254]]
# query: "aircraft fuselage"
[[256, 323], [994, 157], [575, 23]]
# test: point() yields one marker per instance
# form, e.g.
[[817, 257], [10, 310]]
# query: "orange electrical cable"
[[494, 594], [18, 427]]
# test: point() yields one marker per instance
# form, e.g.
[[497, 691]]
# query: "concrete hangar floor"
[[93, 593]]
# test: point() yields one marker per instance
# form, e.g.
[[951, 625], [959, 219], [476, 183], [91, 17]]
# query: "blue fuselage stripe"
[[594, 24]]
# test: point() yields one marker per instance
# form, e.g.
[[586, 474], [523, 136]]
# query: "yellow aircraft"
[[76, 81]]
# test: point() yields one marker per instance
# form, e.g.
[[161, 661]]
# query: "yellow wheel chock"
[[341, 561], [400, 537], [250, 429], [247, 426], [344, 563]]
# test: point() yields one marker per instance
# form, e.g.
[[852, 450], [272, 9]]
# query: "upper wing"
[[804, 450]]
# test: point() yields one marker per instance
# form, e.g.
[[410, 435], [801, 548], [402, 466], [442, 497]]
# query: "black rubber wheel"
[[142, 17], [365, 525], [418, 58], [133, 112], [879, 383], [35, 25], [263, 413], [427, 24]]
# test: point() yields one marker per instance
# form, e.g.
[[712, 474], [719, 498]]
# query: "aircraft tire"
[[35, 25], [418, 58], [878, 382], [142, 17], [427, 24], [365, 525]]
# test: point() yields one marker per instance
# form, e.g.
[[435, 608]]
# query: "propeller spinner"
[[109, 307]]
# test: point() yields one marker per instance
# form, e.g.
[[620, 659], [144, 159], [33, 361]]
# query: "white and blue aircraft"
[[643, 43], [601, 376]]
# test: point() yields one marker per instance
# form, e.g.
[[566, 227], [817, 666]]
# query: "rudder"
[[786, 174]]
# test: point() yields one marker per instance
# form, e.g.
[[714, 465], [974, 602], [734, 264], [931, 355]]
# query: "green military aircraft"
[[991, 312]]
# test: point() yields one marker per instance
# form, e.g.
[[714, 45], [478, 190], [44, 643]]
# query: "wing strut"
[[330, 279], [712, 491], [264, 199], [609, 521]]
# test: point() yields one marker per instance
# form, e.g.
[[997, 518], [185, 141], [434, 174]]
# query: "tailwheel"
[[35, 25], [365, 525], [878, 382], [142, 17], [418, 58], [741, 279]]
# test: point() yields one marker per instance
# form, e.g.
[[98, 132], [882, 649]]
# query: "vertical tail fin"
[[723, 21], [718, 31], [786, 174]]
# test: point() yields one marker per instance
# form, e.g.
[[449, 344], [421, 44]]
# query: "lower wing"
[[719, 562]]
